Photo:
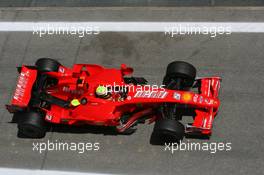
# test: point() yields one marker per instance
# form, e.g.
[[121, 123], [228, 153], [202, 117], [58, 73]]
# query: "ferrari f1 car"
[[49, 92]]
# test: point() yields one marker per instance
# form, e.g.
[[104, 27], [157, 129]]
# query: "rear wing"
[[22, 93]]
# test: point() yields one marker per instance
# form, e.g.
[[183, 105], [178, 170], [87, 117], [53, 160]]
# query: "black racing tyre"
[[47, 65], [31, 125], [169, 130], [182, 73]]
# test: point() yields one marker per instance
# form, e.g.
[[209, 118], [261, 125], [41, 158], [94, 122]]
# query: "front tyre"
[[179, 75], [168, 130], [31, 125]]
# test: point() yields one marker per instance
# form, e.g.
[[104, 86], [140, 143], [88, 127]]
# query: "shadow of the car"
[[83, 129]]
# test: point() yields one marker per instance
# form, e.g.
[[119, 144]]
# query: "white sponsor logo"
[[61, 70], [206, 100], [201, 99], [21, 85], [195, 98], [177, 96], [48, 117]]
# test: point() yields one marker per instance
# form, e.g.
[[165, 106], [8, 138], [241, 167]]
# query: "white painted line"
[[11, 171], [235, 27]]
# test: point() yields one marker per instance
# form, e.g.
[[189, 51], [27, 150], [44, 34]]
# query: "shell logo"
[[186, 96]]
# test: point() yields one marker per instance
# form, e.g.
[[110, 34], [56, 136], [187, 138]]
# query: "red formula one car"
[[95, 95]]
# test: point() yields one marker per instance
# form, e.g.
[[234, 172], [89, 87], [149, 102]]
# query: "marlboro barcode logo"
[[151, 94]]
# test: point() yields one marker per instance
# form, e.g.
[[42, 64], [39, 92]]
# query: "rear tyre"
[[47, 65], [31, 125], [179, 75], [168, 130]]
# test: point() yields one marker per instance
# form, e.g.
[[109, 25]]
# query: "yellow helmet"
[[101, 91]]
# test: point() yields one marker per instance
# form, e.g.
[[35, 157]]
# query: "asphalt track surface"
[[237, 58]]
